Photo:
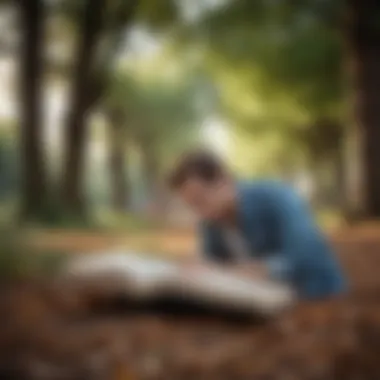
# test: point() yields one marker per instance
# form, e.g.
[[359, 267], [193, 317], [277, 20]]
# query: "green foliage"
[[160, 115], [323, 139], [279, 64], [157, 14], [279, 67], [290, 45], [19, 260], [53, 214], [9, 170], [125, 221]]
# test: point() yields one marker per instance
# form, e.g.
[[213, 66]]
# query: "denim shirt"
[[280, 231]]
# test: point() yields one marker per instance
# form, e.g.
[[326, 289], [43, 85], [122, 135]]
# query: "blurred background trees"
[[100, 97]]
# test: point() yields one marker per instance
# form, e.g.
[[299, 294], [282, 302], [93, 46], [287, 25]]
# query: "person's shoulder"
[[271, 193], [267, 188]]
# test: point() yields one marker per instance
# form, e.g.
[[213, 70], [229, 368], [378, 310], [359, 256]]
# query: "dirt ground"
[[57, 331]]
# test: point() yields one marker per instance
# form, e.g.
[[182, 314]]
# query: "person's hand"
[[251, 270], [192, 263]]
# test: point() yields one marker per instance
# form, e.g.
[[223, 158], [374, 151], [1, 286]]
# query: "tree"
[[363, 40], [102, 28], [33, 162], [117, 143], [324, 146], [9, 164], [106, 23], [159, 118], [90, 32]]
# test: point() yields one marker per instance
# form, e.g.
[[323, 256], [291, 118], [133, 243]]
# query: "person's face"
[[212, 201]]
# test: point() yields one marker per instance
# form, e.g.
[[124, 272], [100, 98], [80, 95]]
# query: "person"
[[262, 226]]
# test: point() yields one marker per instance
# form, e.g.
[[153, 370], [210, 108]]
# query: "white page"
[[146, 276]]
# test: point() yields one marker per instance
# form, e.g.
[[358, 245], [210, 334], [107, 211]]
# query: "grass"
[[109, 220], [18, 259]]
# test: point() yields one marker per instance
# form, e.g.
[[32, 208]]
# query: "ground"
[[50, 331]]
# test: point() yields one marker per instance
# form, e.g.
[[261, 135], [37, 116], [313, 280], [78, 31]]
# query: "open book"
[[145, 277]]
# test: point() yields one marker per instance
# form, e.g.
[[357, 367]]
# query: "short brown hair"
[[200, 164]]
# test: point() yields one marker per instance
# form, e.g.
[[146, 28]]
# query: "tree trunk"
[[119, 181], [338, 183], [364, 43], [354, 173], [150, 170], [76, 129], [34, 187], [150, 167]]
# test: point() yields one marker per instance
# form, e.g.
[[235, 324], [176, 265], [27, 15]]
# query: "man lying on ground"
[[262, 227]]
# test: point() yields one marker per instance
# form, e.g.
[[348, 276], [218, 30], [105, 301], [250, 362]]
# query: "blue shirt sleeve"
[[279, 267], [305, 257]]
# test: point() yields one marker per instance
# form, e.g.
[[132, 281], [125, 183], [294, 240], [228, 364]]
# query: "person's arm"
[[278, 266], [211, 246], [208, 249], [213, 251], [305, 259]]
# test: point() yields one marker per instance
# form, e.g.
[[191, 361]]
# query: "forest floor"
[[168, 241], [51, 332]]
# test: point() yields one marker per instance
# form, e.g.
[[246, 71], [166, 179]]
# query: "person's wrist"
[[256, 269]]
